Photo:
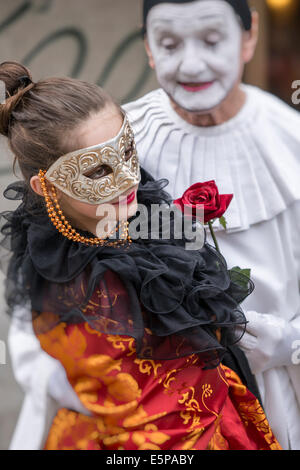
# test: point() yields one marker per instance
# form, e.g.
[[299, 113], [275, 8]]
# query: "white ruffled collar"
[[246, 113], [254, 155]]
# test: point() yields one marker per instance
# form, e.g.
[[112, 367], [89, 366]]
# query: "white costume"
[[255, 157]]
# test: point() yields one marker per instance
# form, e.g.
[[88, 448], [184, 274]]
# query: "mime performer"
[[203, 124]]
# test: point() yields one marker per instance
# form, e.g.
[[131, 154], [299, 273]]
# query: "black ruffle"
[[174, 302]]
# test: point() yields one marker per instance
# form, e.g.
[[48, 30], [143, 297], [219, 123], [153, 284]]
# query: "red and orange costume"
[[145, 404]]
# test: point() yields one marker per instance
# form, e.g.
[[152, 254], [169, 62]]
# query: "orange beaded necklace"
[[63, 226]]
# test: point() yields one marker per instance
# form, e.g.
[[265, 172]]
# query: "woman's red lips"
[[130, 197], [193, 87]]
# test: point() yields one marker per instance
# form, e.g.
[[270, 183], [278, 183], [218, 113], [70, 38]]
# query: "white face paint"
[[196, 50]]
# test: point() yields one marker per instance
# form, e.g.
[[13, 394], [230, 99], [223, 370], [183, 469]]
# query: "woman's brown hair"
[[38, 118]]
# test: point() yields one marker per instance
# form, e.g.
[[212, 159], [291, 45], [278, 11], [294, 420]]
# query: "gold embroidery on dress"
[[192, 438], [253, 412], [151, 434], [206, 393], [122, 343], [219, 368], [66, 420], [146, 366], [218, 442]]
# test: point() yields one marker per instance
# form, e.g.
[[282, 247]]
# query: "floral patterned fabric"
[[141, 404]]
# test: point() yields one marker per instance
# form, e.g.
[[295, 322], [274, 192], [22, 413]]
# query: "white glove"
[[61, 390], [268, 341]]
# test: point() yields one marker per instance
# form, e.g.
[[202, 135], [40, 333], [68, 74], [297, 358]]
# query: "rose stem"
[[213, 236]]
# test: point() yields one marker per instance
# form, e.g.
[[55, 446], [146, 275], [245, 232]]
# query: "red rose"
[[206, 194]]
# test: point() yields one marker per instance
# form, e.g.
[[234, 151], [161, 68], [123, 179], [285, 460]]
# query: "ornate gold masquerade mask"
[[116, 159]]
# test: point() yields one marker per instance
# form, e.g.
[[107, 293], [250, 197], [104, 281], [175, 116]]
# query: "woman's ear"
[[250, 39], [36, 187], [149, 53]]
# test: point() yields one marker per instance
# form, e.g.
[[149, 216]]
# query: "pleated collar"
[[255, 155]]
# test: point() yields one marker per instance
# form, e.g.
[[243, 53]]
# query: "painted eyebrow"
[[212, 21]]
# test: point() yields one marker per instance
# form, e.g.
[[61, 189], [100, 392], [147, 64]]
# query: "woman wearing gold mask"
[[140, 326]]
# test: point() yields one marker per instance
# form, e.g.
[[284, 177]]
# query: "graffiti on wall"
[[80, 41]]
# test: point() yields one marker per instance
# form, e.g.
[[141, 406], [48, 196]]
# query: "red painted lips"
[[193, 87]]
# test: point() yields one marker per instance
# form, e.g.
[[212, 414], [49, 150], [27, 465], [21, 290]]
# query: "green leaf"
[[246, 272], [241, 280], [223, 222]]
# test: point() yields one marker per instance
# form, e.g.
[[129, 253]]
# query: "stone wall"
[[94, 40]]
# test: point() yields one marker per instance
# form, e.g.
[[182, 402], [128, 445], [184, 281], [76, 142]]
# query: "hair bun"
[[17, 80]]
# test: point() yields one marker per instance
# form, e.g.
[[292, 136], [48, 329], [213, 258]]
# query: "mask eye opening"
[[129, 151], [98, 172]]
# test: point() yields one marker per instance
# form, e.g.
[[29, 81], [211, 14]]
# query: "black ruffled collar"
[[175, 300]]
